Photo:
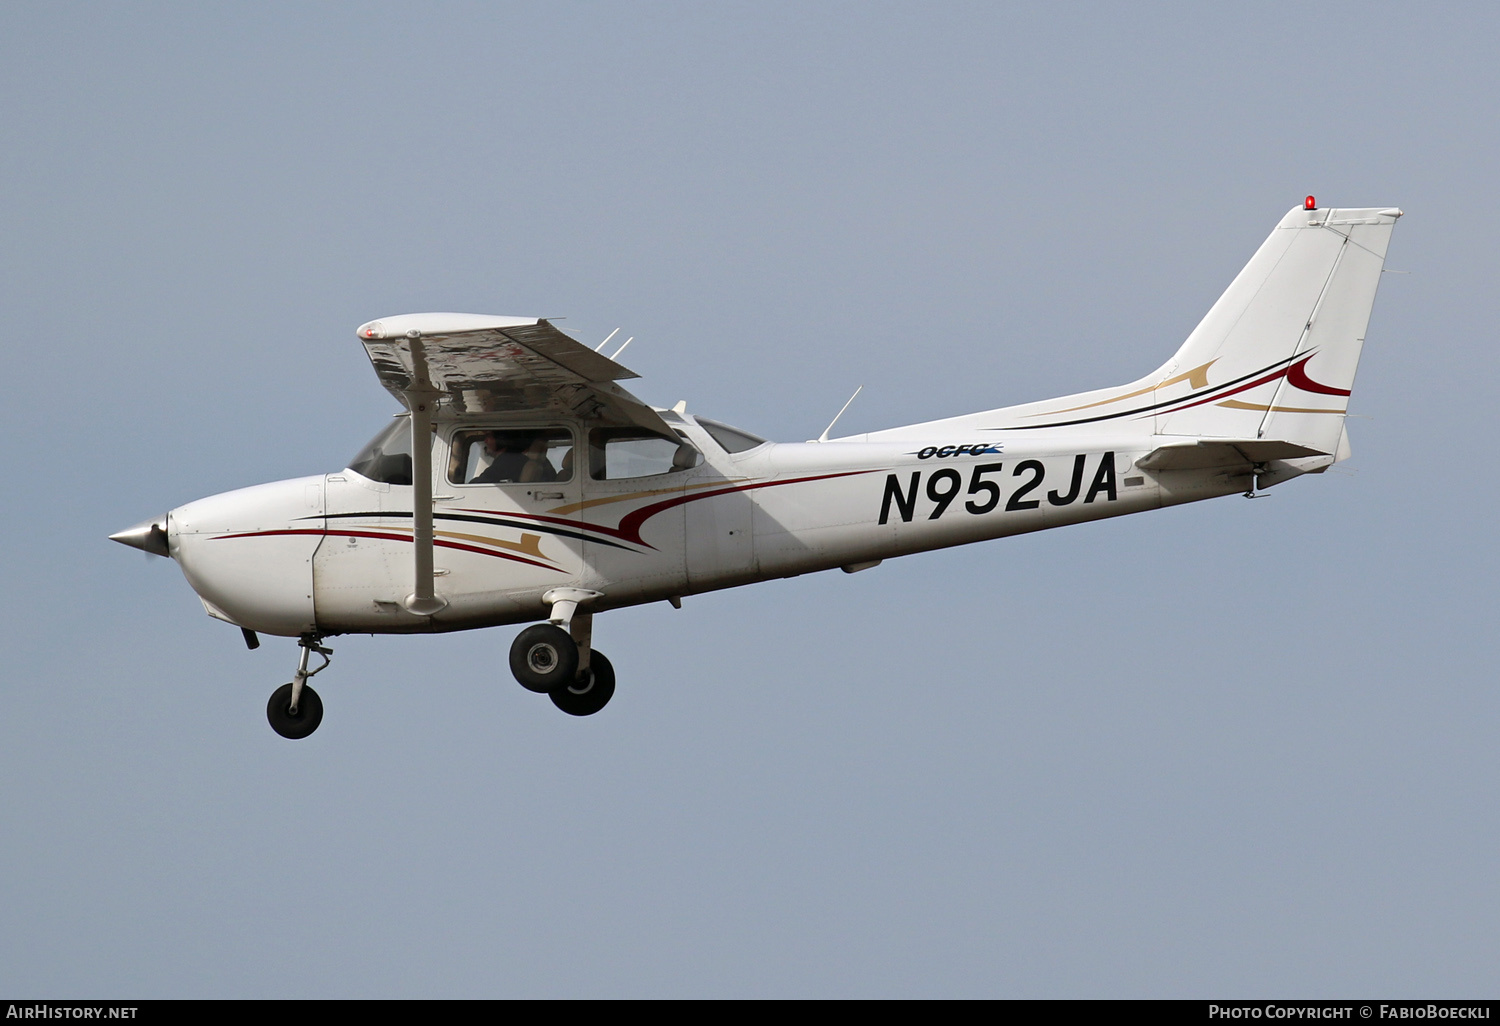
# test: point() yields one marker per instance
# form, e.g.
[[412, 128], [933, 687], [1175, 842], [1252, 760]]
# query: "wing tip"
[[402, 325]]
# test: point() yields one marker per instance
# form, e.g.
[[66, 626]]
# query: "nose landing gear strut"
[[295, 710]]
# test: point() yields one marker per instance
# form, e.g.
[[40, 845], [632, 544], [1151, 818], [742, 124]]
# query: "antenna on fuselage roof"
[[824, 436], [616, 354], [611, 335]]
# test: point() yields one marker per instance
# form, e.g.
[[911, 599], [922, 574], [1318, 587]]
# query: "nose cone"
[[148, 536]]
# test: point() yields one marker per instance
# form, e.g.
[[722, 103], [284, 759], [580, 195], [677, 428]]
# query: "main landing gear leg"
[[295, 710], [581, 630], [562, 663]]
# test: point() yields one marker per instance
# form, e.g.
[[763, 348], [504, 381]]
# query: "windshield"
[[388, 456]]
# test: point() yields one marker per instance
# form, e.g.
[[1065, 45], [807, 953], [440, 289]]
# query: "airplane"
[[522, 484]]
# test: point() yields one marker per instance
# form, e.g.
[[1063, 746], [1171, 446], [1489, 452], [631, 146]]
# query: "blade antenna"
[[611, 335], [824, 436], [616, 354]]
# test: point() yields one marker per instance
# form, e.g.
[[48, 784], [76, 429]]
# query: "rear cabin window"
[[511, 456], [730, 438], [620, 453]]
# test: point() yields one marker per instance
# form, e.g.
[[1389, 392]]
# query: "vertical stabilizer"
[[1273, 359], [1277, 353]]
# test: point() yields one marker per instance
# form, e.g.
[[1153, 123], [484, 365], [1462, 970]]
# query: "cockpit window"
[[388, 456], [732, 439], [511, 455]]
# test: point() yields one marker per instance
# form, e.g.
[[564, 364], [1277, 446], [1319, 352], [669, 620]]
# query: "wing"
[[484, 364]]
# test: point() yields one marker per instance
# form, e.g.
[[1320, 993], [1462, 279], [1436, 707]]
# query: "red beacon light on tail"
[[1309, 204]]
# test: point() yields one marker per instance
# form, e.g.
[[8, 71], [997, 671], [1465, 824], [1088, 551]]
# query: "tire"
[[309, 712], [584, 698], [543, 657]]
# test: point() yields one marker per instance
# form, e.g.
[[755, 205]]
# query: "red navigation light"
[[1309, 204]]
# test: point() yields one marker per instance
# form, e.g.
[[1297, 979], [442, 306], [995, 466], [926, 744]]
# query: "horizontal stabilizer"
[[1201, 454]]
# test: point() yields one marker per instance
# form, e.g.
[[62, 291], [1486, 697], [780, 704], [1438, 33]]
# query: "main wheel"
[[586, 697], [299, 724], [543, 657]]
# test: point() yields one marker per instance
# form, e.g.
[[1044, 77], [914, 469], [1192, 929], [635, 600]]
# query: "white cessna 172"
[[524, 484]]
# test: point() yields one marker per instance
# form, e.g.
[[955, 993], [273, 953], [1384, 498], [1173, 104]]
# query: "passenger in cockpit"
[[516, 457]]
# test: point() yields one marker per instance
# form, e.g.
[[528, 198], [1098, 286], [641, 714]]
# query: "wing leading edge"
[[485, 364]]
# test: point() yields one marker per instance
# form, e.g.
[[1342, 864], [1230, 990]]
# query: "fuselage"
[[332, 554], [524, 483]]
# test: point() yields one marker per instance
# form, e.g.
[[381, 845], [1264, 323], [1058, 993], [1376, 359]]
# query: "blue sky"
[[1232, 749]]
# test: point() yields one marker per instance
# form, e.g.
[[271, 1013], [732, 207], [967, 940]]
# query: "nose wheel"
[[295, 710], [295, 725]]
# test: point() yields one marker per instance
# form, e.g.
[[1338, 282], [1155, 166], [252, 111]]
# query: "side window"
[[732, 439], [511, 455], [619, 453]]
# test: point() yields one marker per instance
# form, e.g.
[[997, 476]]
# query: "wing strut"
[[420, 396]]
